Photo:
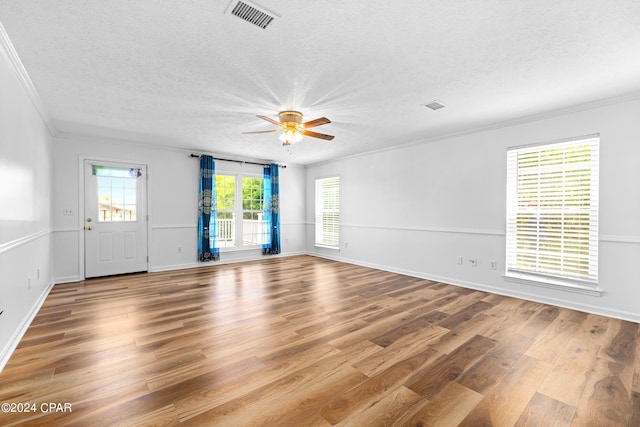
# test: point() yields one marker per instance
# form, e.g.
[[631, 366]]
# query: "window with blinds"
[[552, 211], [328, 212]]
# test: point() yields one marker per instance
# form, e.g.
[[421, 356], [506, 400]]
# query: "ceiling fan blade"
[[317, 135], [269, 119], [316, 122], [264, 131]]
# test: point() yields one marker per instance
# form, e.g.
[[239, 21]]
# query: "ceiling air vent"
[[434, 105], [251, 13]]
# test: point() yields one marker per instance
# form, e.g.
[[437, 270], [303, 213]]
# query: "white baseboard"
[[222, 261], [160, 268], [68, 279], [10, 347], [618, 314]]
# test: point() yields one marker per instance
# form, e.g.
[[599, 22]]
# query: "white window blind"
[[328, 212], [552, 210]]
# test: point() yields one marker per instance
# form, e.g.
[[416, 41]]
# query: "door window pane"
[[116, 193]]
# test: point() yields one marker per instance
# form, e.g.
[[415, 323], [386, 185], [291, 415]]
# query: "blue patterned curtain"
[[271, 210], [207, 212], [266, 212]]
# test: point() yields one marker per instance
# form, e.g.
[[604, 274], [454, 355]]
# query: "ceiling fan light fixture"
[[291, 135]]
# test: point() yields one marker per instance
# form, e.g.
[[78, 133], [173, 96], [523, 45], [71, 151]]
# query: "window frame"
[[232, 212], [262, 231], [238, 211], [547, 189], [115, 192], [320, 232]]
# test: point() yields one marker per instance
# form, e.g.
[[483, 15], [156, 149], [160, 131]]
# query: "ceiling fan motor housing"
[[290, 117]]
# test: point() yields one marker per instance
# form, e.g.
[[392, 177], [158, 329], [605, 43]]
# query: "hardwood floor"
[[303, 341]]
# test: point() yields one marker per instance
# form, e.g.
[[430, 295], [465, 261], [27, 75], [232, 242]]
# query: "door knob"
[[88, 228]]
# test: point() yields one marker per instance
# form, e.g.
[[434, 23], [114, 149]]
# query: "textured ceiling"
[[185, 74]]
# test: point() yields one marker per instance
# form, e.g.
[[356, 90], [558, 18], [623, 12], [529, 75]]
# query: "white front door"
[[115, 226]]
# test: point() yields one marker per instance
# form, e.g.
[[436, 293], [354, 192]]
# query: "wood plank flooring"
[[304, 341]]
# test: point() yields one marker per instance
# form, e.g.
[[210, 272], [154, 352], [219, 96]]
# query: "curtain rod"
[[238, 161]]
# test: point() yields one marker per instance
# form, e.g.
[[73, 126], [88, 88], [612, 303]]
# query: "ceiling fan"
[[292, 127]]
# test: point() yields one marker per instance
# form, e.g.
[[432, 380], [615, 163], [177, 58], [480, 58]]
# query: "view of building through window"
[[117, 194]]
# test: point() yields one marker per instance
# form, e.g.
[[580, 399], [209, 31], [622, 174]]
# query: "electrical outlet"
[[67, 211], [179, 249], [493, 264]]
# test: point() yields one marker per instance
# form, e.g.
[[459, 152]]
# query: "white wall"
[[173, 200], [25, 200], [414, 210]]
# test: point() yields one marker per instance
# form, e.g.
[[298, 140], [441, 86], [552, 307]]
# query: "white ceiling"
[[185, 74]]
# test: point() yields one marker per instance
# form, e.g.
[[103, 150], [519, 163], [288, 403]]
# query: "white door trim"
[[81, 203]]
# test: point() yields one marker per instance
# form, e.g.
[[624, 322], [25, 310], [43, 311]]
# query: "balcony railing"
[[255, 232], [226, 230]]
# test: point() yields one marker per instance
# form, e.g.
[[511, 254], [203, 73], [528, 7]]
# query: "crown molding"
[[562, 111], [11, 57]]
